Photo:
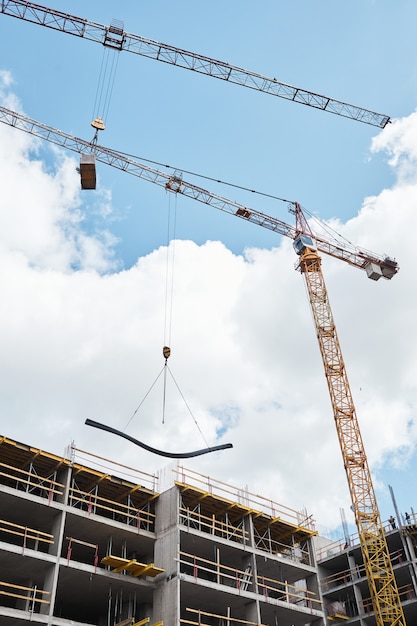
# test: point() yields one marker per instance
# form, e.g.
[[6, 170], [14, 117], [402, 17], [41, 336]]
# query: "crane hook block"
[[166, 352], [98, 124], [88, 171]]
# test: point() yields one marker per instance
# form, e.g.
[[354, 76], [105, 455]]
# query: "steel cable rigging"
[[166, 351], [105, 85], [169, 291]]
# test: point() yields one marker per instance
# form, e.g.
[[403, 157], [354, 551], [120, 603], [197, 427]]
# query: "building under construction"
[[84, 546], [343, 583], [113, 546], [184, 552]]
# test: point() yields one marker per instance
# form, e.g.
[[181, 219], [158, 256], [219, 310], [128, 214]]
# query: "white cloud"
[[399, 141], [82, 338]]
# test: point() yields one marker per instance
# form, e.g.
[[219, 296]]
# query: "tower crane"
[[375, 553], [115, 37]]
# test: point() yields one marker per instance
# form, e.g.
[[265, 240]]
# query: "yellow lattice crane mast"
[[375, 554], [376, 557]]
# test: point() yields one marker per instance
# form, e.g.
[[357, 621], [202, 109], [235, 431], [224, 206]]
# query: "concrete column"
[[356, 591], [51, 581], [166, 605]]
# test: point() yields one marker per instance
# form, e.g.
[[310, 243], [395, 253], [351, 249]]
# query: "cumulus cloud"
[[399, 142], [82, 337]]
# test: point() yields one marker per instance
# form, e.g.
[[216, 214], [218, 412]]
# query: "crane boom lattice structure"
[[381, 266], [376, 557], [115, 37]]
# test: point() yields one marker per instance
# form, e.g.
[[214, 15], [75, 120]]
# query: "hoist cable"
[[215, 180], [144, 398], [173, 245], [165, 369], [110, 85], [105, 85], [100, 79], [334, 234], [189, 410], [166, 279], [100, 86], [169, 272], [169, 289], [164, 395]]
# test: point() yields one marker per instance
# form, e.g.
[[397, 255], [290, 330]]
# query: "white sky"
[[82, 323]]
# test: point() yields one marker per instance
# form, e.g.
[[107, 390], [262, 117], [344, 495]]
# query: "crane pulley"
[[375, 553], [115, 37]]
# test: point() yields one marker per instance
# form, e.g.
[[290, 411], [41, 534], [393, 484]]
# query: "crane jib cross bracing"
[[115, 37], [380, 266]]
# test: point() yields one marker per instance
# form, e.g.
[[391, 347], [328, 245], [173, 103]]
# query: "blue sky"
[[199, 124], [363, 53]]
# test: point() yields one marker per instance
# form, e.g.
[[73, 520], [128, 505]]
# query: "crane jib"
[[376, 266], [114, 36]]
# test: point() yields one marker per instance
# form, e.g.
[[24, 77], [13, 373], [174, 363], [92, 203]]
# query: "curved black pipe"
[[170, 455]]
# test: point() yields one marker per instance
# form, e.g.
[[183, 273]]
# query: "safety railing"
[[298, 552], [215, 572], [125, 513], [92, 551], [274, 589], [107, 466], [25, 536], [207, 619], [333, 548], [43, 486], [244, 580], [349, 575], [33, 595], [244, 498], [213, 526]]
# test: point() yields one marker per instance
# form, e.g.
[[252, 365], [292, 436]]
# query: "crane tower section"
[[376, 557]]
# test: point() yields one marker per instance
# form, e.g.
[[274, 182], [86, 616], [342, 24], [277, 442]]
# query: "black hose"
[[171, 455]]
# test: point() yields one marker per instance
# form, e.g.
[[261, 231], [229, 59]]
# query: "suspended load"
[[170, 455], [88, 171]]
